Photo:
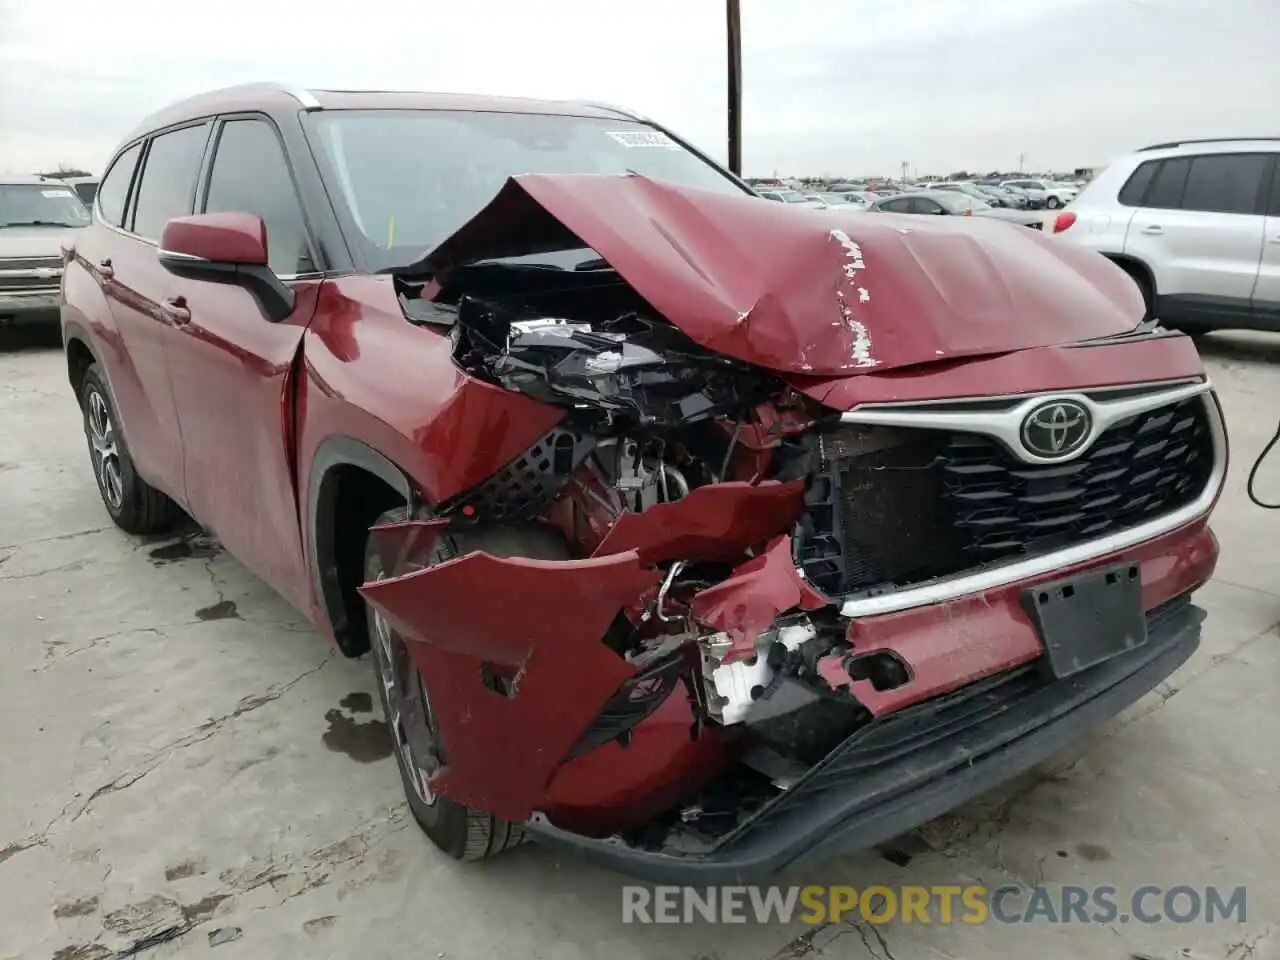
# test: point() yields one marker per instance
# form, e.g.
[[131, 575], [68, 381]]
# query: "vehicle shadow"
[[1240, 346], [43, 337]]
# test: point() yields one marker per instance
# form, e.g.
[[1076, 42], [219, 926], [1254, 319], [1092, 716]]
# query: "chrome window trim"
[[992, 578]]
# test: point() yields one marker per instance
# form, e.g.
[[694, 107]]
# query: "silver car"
[[950, 203], [38, 217]]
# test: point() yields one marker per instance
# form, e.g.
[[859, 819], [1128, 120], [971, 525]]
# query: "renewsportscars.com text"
[[940, 904]]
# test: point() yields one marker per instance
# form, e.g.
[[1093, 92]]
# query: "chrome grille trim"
[[991, 417]]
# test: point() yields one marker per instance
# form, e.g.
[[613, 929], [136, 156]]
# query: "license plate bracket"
[[1087, 618]]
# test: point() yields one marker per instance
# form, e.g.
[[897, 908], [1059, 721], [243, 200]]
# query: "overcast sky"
[[831, 86]]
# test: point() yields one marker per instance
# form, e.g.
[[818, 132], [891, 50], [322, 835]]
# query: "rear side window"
[[250, 175], [1225, 183], [1132, 192], [113, 193], [1169, 184], [168, 179]]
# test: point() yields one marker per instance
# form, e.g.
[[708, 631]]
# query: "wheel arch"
[[80, 355], [349, 486], [1141, 272]]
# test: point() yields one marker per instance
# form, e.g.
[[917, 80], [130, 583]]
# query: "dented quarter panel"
[[948, 645], [542, 619], [802, 291], [373, 376]]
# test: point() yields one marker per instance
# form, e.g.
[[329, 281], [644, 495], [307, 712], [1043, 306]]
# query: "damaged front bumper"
[[617, 755], [905, 769]]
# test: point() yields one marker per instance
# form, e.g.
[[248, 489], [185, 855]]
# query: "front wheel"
[[1052, 203], [460, 831]]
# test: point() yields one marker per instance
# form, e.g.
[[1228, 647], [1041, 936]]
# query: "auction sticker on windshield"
[[643, 138], [55, 194]]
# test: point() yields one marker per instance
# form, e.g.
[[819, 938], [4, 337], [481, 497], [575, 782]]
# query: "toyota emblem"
[[1056, 429]]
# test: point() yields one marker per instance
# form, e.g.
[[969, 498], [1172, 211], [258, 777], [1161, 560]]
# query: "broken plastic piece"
[[715, 522], [544, 618], [748, 602]]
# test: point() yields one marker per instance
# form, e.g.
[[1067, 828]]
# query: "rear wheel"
[[1052, 203], [462, 832], [134, 505]]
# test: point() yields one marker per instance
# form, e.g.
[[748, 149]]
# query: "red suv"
[[694, 532]]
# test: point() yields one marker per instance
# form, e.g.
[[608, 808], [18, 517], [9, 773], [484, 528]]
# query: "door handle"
[[105, 269], [175, 308], [1154, 230]]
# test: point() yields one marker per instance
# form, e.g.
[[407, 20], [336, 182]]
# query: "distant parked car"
[[790, 196], [858, 198], [950, 203], [38, 215], [1053, 194], [1197, 226], [86, 188], [972, 190]]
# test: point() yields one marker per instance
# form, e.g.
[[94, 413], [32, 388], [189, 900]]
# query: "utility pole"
[[734, 18], [1022, 162], [905, 165]]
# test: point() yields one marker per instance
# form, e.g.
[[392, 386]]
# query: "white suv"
[[1196, 224]]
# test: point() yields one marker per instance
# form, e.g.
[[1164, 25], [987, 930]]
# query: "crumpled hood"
[[801, 291]]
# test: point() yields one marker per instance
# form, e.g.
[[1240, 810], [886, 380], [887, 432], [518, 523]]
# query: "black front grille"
[[1139, 469], [910, 505]]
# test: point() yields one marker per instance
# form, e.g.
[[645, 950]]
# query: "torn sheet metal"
[[747, 603], [542, 619], [715, 522], [398, 543], [758, 281]]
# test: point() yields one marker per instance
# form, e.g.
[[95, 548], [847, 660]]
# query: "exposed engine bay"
[[654, 421]]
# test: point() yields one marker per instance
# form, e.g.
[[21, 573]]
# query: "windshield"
[[39, 204], [410, 178]]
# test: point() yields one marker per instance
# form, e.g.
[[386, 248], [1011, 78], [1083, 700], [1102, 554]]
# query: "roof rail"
[[1178, 143]]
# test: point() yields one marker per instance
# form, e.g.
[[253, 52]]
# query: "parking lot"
[[181, 752]]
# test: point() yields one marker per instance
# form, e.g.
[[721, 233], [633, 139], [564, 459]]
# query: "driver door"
[[232, 369]]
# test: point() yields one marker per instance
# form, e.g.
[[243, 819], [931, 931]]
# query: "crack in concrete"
[[1245, 948], [75, 808], [51, 647], [62, 536], [60, 568]]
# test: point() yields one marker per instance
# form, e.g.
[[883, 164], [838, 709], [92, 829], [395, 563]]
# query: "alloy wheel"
[[104, 449], [408, 710]]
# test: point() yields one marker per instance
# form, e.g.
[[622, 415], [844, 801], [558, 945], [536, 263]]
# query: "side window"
[[925, 205], [1132, 192], [1225, 183], [168, 179], [1273, 208], [1169, 183], [896, 206], [250, 175], [113, 192]]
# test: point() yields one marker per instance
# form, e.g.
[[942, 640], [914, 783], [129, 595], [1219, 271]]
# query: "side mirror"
[[226, 248]]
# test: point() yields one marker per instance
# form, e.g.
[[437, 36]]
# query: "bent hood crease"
[[813, 292]]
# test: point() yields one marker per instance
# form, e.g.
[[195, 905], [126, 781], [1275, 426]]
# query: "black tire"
[[1144, 287], [134, 505], [462, 832], [1052, 203]]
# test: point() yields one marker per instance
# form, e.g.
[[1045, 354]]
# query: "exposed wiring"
[[1253, 473]]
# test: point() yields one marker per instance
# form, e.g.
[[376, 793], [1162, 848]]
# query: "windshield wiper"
[[595, 263], [37, 223]]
